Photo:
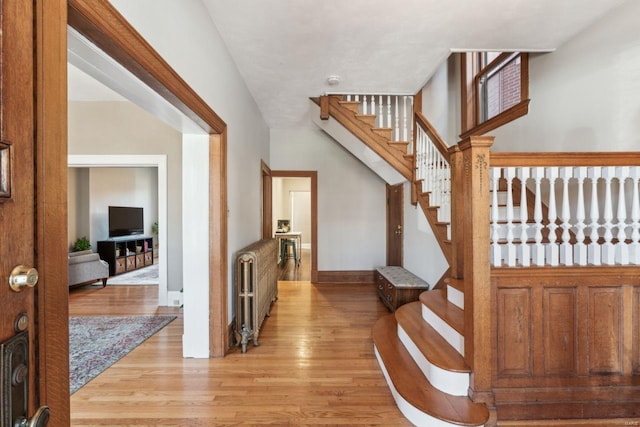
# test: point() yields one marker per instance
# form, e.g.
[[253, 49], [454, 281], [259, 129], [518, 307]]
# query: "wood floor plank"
[[315, 366]]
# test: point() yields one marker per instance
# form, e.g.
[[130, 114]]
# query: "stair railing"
[[574, 209], [433, 168], [392, 112]]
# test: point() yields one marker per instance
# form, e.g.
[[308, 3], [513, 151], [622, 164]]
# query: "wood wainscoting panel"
[[635, 328], [515, 355], [606, 333], [560, 331]]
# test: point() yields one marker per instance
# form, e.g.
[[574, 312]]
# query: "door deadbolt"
[[21, 277]]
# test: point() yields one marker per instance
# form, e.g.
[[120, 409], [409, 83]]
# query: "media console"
[[126, 253]]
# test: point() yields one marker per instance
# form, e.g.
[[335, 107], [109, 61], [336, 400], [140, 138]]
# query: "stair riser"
[[454, 383], [455, 297], [455, 339], [410, 412]]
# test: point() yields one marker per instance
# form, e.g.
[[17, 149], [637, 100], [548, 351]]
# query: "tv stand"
[[126, 253]]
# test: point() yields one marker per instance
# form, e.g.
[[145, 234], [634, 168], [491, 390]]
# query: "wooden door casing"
[[395, 224]]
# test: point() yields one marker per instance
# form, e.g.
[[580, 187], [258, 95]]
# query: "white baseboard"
[[174, 299]]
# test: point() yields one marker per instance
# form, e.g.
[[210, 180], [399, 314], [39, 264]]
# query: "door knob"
[[39, 419], [22, 276]]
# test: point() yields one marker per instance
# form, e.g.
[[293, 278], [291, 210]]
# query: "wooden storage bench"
[[397, 286]]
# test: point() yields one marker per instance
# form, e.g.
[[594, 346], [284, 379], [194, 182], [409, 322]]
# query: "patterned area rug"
[[144, 276], [95, 343]]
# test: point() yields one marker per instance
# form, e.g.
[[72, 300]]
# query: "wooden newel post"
[[457, 214], [478, 346]]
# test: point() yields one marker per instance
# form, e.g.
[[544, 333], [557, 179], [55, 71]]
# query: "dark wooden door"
[[17, 203], [34, 350], [395, 224]]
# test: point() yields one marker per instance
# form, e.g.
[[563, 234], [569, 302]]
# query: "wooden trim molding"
[[515, 112], [314, 213], [218, 265], [267, 200], [349, 276], [621, 158], [51, 176], [103, 25]]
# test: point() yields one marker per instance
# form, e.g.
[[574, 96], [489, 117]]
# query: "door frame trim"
[[313, 175]]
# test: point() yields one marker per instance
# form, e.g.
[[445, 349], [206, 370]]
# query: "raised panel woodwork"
[[605, 327], [514, 332], [560, 334], [635, 328]]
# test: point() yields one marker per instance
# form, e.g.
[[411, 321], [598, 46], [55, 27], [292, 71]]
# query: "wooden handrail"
[[437, 140], [622, 158]]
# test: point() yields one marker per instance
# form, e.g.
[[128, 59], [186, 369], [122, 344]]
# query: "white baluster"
[[622, 250], [496, 253], [524, 252], [634, 247], [373, 105], [594, 250], [510, 256], [364, 104], [349, 98], [538, 247], [580, 249], [380, 112], [608, 250], [388, 111], [566, 250], [404, 118], [552, 247], [397, 125]]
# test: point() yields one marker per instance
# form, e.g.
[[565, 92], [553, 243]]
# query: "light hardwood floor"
[[315, 366]]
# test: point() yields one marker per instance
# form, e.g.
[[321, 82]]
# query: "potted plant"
[[81, 244], [155, 231]]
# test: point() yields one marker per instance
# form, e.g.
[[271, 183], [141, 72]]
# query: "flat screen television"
[[125, 221]]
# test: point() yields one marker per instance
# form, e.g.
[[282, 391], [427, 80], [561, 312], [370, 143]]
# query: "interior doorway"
[[294, 216]]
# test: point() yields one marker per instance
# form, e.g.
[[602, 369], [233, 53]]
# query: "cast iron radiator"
[[256, 282]]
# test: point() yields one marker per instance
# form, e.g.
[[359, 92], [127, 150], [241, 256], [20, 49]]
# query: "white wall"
[[422, 254], [184, 35], [282, 188], [123, 128], [441, 100], [584, 96], [78, 204], [351, 199], [135, 187]]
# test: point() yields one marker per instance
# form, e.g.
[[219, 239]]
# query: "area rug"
[[95, 343], [144, 276]]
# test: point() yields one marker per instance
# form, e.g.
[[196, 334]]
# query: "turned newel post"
[[457, 214], [478, 347]]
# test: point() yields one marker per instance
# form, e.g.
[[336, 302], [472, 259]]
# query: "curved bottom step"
[[417, 399]]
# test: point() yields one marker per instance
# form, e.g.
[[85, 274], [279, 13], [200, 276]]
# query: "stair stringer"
[[356, 147], [365, 133]]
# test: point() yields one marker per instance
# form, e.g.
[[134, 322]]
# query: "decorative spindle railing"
[[433, 169], [392, 112], [566, 215]]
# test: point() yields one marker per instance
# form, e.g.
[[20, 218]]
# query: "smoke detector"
[[333, 80]]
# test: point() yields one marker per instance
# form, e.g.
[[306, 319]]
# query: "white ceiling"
[[286, 49]]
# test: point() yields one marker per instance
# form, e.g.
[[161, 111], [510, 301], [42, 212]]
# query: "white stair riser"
[[452, 336], [454, 383], [455, 297], [410, 412]]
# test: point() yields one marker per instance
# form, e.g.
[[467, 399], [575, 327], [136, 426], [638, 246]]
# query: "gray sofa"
[[87, 267]]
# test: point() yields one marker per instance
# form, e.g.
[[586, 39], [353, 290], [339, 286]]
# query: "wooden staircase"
[[420, 350]]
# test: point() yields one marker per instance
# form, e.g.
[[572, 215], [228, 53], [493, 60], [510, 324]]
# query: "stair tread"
[[436, 301], [455, 283], [430, 343], [412, 385]]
